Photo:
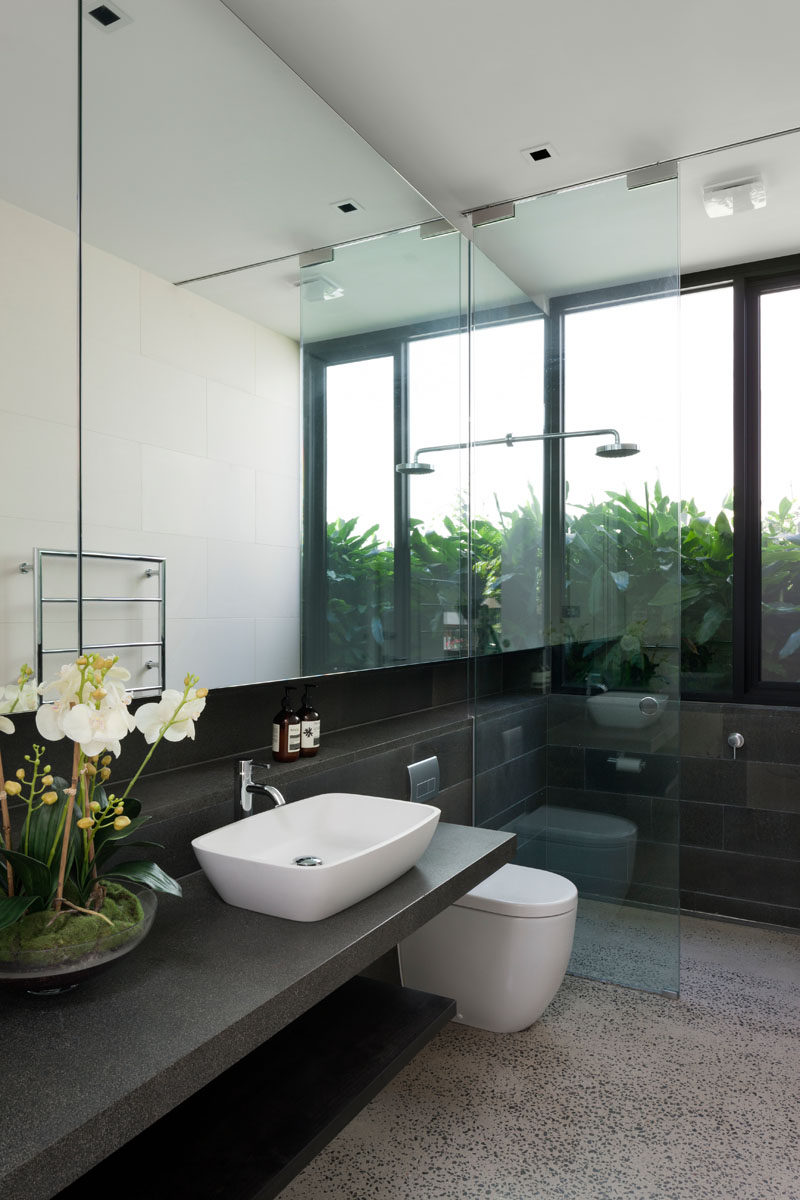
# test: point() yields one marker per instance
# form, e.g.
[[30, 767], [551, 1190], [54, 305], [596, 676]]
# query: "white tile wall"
[[191, 451], [128, 396]]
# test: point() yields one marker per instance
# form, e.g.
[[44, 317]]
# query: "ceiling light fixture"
[[725, 199], [348, 206], [107, 16], [539, 154], [321, 287]]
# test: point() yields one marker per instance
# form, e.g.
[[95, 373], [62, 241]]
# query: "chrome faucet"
[[244, 789], [595, 680]]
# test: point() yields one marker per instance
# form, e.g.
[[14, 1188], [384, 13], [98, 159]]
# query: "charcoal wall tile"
[[451, 681], [565, 766], [744, 910], [773, 786], [776, 834], [665, 820], [713, 781], [508, 735], [770, 734], [701, 730], [702, 824], [656, 777], [454, 751], [456, 804], [740, 876], [373, 775], [500, 819], [657, 865], [508, 784]]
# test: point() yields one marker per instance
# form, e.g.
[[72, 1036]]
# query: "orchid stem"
[[71, 794], [6, 827]]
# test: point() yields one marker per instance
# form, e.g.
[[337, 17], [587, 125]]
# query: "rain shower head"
[[617, 450], [414, 468]]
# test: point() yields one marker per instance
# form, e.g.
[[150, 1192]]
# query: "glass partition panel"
[[577, 740], [39, 612], [385, 536]]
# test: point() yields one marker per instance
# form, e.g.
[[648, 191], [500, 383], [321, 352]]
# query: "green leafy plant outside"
[[637, 571]]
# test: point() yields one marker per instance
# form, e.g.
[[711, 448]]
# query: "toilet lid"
[[522, 892]]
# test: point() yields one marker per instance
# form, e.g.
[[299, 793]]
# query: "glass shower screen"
[[577, 729]]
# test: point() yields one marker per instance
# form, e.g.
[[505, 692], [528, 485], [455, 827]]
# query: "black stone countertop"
[[86, 1071]]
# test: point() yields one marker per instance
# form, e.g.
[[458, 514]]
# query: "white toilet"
[[501, 951]]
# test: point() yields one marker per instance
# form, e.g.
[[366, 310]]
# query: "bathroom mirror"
[[201, 154]]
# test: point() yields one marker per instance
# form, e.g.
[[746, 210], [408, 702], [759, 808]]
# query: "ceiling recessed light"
[[539, 154], [725, 199], [348, 206], [105, 16]]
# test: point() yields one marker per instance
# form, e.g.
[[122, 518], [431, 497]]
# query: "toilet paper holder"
[[623, 762]]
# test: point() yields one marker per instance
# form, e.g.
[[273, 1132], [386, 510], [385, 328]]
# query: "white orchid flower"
[[96, 729], [152, 719], [6, 726], [66, 685]]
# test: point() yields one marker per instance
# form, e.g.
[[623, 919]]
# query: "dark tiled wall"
[[740, 820], [190, 790]]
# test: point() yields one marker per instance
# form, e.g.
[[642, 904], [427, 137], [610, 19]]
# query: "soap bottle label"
[[310, 734], [276, 737], [294, 738]]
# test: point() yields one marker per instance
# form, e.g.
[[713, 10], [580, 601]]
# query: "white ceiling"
[[451, 92], [203, 151]]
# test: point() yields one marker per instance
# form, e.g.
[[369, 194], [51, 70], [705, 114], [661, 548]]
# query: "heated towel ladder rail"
[[152, 566]]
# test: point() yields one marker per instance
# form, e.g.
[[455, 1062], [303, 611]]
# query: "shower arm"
[[510, 439]]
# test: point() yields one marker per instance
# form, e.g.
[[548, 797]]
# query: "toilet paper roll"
[[632, 766]]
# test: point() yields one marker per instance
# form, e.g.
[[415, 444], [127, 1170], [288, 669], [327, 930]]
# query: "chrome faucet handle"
[[243, 786]]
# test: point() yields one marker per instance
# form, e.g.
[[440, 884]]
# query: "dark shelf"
[[249, 1132]]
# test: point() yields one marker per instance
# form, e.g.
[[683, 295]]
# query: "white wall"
[[191, 451]]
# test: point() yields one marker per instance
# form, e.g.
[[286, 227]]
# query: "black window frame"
[[317, 357], [748, 282]]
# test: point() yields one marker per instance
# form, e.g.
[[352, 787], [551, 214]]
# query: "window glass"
[[780, 486], [359, 513]]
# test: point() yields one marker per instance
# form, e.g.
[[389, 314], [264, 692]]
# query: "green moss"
[[33, 939]]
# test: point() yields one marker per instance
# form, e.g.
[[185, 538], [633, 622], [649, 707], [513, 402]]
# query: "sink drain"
[[308, 860]]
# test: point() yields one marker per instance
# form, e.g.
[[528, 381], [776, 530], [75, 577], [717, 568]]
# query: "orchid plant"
[[63, 859]]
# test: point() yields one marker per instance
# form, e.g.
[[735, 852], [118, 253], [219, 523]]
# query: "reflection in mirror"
[[39, 337], [191, 393], [385, 554], [600, 262]]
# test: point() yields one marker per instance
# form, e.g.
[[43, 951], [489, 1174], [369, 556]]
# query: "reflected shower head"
[[414, 468], [617, 450]]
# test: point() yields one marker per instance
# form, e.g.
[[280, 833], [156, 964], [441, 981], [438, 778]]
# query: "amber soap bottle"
[[309, 725], [286, 731]]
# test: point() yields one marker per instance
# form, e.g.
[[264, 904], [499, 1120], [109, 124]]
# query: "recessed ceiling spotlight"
[[348, 206], [725, 199], [539, 154], [105, 16]]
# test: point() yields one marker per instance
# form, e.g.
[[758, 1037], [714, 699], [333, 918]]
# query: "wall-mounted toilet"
[[501, 951]]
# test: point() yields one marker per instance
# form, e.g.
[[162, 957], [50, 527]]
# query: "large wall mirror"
[[206, 169]]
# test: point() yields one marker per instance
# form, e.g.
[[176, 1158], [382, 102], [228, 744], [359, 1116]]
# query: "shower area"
[[491, 475]]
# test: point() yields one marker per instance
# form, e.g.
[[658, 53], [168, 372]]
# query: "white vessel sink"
[[620, 710], [363, 842]]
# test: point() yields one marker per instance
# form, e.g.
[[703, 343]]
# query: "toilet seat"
[[516, 891]]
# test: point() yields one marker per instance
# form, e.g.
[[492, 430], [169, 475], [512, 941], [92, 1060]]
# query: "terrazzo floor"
[[612, 1095]]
